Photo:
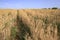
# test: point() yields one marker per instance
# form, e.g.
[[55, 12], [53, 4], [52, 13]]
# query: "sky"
[[17, 4]]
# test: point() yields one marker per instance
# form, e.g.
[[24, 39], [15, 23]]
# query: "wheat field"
[[30, 24]]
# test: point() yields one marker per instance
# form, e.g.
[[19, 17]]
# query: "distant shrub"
[[54, 8], [49, 8], [44, 8]]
